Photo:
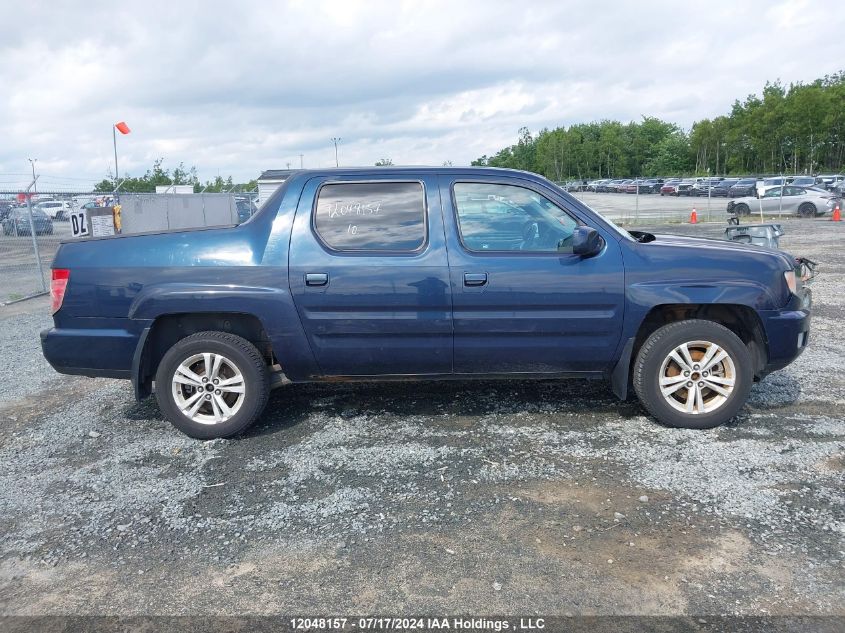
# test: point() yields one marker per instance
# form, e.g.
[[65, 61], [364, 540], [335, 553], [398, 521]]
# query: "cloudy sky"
[[238, 90]]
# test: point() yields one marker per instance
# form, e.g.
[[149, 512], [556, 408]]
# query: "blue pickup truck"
[[423, 273]]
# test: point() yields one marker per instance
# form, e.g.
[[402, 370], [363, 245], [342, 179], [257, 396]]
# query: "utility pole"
[[336, 140], [32, 162]]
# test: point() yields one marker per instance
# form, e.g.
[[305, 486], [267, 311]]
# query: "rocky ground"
[[483, 497]]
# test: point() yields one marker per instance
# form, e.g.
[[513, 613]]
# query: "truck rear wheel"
[[693, 374], [212, 384]]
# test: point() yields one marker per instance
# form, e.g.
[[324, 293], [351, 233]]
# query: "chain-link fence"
[[34, 225]]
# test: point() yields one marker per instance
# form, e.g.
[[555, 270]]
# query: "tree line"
[[794, 129], [179, 175]]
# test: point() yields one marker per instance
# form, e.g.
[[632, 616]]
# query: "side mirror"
[[586, 241]]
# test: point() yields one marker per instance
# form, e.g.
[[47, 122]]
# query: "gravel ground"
[[484, 497], [24, 371]]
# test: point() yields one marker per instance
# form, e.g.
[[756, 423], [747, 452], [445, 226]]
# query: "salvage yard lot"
[[473, 497]]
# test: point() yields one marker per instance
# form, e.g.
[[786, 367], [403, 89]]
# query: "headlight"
[[791, 281]]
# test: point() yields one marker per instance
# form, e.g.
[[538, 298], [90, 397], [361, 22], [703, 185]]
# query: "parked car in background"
[[56, 209], [703, 186], [669, 188], [829, 181], [721, 188], [619, 186], [651, 185], [6, 207], [684, 188], [786, 200], [768, 183], [245, 210], [743, 187], [804, 181], [17, 222]]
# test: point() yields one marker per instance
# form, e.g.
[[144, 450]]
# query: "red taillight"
[[58, 285]]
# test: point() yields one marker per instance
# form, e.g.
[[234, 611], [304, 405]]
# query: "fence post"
[[34, 238]]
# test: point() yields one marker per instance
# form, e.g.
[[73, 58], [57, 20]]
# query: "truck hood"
[[733, 250]]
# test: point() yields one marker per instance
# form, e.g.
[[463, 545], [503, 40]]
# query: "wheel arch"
[[167, 329], [740, 319]]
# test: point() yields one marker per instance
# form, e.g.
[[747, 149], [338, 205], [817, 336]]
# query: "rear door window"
[[371, 216]]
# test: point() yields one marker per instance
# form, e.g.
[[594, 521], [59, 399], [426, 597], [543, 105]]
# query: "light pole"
[[123, 129], [336, 140], [32, 162]]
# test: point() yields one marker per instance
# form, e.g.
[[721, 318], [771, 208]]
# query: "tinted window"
[[494, 217], [380, 216]]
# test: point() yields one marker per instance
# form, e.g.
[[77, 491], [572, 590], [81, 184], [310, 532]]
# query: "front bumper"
[[787, 330]]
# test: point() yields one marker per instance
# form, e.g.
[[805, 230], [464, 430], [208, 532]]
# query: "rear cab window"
[[373, 217]]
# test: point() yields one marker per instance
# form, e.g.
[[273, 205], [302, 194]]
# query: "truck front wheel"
[[693, 374], [212, 384]]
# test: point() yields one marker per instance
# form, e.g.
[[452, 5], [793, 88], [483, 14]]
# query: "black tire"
[[656, 349], [246, 358], [807, 210], [742, 209]]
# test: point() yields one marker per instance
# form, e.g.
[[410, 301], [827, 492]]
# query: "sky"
[[237, 88]]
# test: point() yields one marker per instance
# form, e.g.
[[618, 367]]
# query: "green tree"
[[159, 176], [785, 129]]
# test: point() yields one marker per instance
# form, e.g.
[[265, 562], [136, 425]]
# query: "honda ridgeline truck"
[[423, 273]]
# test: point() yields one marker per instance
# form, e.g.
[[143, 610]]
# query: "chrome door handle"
[[475, 279], [316, 279]]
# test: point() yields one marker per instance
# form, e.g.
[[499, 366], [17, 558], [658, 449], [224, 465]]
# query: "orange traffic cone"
[[837, 214], [693, 217]]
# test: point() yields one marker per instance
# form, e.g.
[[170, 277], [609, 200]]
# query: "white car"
[[56, 209], [806, 202]]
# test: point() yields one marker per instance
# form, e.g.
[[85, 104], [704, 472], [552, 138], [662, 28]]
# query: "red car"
[[669, 189]]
